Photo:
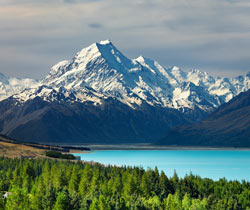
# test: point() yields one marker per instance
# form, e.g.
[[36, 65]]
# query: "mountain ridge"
[[104, 69], [101, 95], [229, 125]]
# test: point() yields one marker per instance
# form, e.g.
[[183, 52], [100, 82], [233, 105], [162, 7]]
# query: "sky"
[[210, 35]]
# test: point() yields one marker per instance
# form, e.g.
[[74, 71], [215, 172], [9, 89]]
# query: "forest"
[[57, 154], [45, 184]]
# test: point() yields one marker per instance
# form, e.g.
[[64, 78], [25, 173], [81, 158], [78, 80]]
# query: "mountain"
[[13, 85], [229, 125], [102, 67], [100, 95], [51, 116]]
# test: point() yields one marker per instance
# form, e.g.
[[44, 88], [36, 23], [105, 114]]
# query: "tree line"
[[44, 184]]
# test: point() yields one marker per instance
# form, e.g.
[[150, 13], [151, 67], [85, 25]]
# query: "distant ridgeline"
[[228, 126], [59, 185], [101, 96]]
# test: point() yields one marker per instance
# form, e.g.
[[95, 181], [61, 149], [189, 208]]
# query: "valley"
[[124, 105]]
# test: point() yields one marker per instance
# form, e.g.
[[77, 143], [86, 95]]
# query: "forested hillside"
[[60, 185]]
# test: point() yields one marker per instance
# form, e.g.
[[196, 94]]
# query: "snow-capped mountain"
[[228, 126], [102, 67], [100, 95], [12, 85], [50, 94]]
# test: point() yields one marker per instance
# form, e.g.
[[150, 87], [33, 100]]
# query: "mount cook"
[[102, 96]]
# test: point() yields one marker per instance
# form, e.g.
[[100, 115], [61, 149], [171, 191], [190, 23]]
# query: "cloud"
[[95, 25], [208, 34], [69, 1], [82, 1], [79, 1]]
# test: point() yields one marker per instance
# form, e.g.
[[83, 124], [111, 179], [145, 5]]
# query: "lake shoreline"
[[154, 147], [213, 164]]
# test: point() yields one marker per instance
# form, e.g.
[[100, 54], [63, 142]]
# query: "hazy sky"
[[212, 35]]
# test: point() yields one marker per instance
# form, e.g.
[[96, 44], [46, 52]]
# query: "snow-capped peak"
[[88, 52], [102, 67], [101, 71], [141, 59], [104, 42], [175, 68], [104, 49], [13, 85], [146, 62]]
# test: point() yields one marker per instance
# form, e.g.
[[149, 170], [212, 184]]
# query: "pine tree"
[[74, 180], [18, 200], [62, 201]]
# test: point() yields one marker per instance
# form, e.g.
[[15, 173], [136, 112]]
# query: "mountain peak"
[[142, 59], [105, 42], [88, 52], [102, 67], [103, 49], [196, 71], [175, 68]]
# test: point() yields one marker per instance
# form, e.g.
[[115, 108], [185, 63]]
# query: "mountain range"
[[100, 95], [228, 126]]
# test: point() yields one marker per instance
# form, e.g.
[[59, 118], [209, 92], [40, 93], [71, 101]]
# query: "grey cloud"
[[95, 25], [20, 2], [69, 1], [191, 24], [79, 1], [208, 34]]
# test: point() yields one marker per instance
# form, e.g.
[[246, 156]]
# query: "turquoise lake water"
[[215, 164]]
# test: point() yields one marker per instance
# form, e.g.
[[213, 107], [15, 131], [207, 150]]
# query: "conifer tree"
[[62, 201]]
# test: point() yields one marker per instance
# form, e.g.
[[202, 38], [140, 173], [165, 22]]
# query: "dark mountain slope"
[[37, 120], [229, 125]]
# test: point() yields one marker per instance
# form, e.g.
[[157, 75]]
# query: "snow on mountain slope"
[[105, 69], [102, 67], [12, 85], [61, 95], [101, 71]]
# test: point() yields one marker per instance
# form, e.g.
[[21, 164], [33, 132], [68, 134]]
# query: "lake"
[[214, 164]]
